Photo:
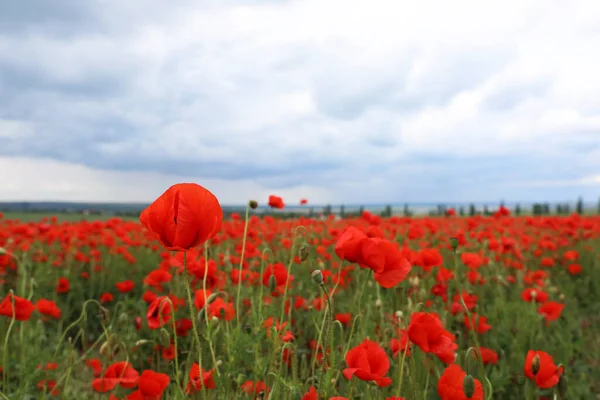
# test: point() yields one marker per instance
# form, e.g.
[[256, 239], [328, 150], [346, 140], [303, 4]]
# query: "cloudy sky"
[[342, 101]]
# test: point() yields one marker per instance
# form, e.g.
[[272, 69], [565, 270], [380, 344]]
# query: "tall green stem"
[[239, 288], [193, 317], [472, 323]]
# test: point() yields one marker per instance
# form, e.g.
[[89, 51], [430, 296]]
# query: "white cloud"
[[35, 179], [347, 101]]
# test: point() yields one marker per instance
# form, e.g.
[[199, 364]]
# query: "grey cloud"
[[348, 93], [101, 91], [57, 17]]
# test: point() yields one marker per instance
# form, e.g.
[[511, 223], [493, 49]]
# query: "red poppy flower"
[[63, 285], [548, 375], [183, 217], [151, 386], [22, 310], [311, 394], [398, 346], [159, 312], [551, 310], [450, 385], [348, 246], [125, 286], [276, 202], [489, 356], [368, 362], [48, 307], [119, 373], [426, 331], [258, 388], [198, 379], [389, 265]]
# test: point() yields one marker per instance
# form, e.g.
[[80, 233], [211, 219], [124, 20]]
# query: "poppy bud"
[[253, 204], [2, 251], [535, 365], [454, 243], [562, 386], [468, 386], [304, 252], [211, 298], [272, 283], [317, 276], [561, 297], [378, 303], [214, 320], [105, 348], [201, 314], [141, 342], [164, 338]]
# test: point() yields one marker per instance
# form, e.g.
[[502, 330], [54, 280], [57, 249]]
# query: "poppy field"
[[186, 304]]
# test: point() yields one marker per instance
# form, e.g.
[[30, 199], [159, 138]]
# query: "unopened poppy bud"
[[214, 320], [378, 303], [201, 314], [468, 386], [272, 283], [561, 297], [164, 338], [141, 342], [562, 386], [241, 378], [304, 252], [211, 298], [105, 348], [317, 276], [399, 315], [535, 365], [253, 204], [454, 243], [2, 251]]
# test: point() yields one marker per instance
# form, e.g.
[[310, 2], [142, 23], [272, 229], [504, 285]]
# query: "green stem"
[[5, 352], [193, 316], [289, 272], [472, 323], [401, 375], [239, 288]]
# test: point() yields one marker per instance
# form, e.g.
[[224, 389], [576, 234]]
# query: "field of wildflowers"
[[188, 305]]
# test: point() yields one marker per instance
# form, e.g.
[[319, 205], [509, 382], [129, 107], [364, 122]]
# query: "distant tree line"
[[535, 209]]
